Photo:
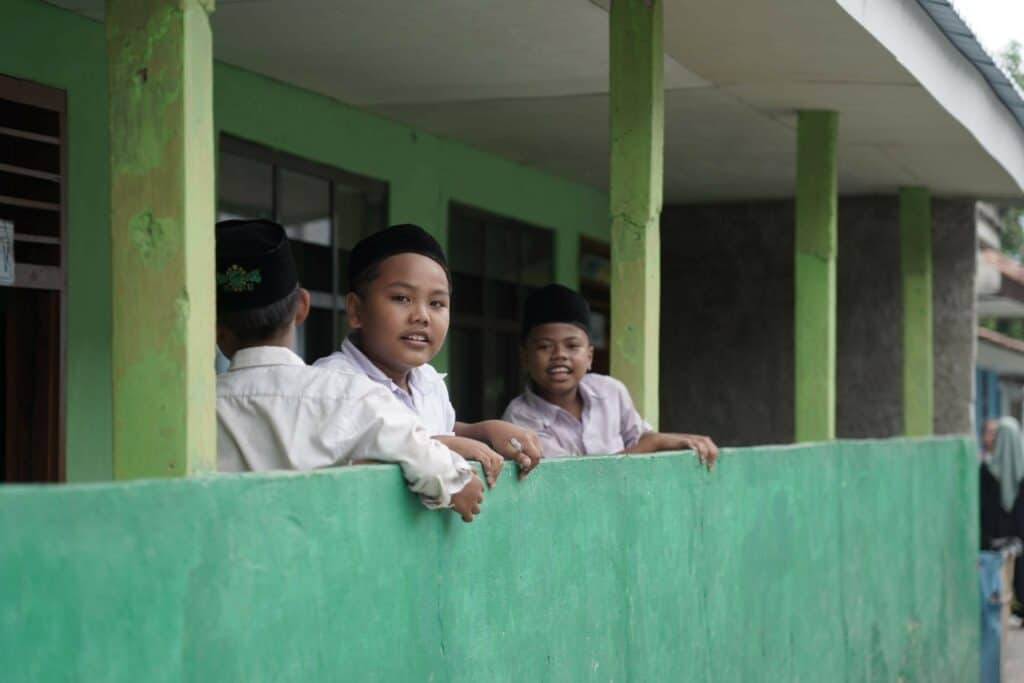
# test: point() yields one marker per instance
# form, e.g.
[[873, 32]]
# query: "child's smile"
[[403, 316], [557, 356]]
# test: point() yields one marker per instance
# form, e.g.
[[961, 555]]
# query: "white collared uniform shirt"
[[274, 412], [608, 425], [427, 396]]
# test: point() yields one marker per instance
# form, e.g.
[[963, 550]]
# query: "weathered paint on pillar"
[[815, 277], [916, 266], [637, 137], [162, 212]]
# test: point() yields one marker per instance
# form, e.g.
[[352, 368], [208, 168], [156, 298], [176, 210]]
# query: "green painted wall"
[[847, 561], [62, 50], [424, 173]]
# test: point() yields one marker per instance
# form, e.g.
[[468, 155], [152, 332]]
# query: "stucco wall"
[[954, 251], [727, 322], [850, 561]]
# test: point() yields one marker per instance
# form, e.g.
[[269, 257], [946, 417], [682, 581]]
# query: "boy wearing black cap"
[[398, 308], [574, 411], [275, 412]]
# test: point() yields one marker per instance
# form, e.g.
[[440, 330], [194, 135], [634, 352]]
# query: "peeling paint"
[[156, 240], [637, 134], [142, 67]]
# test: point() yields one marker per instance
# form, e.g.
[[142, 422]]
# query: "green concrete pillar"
[[916, 267], [637, 137], [162, 213], [815, 277]]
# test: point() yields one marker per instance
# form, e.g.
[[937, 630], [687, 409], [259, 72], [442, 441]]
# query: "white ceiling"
[[528, 80]]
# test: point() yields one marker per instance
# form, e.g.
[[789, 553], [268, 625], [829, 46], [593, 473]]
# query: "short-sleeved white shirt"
[[274, 412], [608, 425]]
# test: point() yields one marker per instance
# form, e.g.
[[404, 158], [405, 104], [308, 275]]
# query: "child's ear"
[[590, 357], [354, 310], [226, 341], [302, 310]]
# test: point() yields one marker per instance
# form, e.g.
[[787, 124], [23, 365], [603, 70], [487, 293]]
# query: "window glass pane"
[[537, 265], [303, 206], [356, 215], [318, 336], [506, 382], [465, 361], [502, 243], [467, 295], [465, 244], [503, 299], [245, 188]]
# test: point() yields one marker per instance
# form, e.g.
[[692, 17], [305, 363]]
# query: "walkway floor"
[[1015, 656]]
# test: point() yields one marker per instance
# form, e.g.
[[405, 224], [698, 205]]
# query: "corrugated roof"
[[952, 24]]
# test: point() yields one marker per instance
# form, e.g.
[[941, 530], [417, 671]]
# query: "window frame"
[[280, 160], [489, 323]]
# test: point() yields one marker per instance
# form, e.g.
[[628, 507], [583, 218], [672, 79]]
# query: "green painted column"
[[162, 213], [637, 141], [916, 267], [815, 277]]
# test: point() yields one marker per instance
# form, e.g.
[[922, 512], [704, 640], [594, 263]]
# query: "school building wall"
[[642, 568], [58, 48], [727, 364]]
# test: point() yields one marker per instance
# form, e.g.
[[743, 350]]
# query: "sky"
[[995, 22]]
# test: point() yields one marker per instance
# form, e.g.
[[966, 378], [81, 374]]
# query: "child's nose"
[[420, 313]]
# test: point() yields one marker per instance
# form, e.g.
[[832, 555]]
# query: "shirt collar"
[[256, 356], [370, 369], [550, 410]]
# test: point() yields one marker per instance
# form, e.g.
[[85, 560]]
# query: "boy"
[[398, 308], [573, 412], [275, 412]]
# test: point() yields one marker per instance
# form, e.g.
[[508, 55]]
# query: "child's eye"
[[401, 298], [438, 304]]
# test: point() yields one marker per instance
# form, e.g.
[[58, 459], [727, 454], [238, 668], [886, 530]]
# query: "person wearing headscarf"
[[1000, 502]]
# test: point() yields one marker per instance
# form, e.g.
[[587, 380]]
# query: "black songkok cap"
[[398, 239], [555, 304], [254, 264]]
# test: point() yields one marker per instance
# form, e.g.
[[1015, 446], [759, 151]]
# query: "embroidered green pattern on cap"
[[238, 279]]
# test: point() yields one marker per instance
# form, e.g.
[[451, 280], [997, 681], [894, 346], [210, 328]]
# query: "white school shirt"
[[608, 425], [429, 397], [274, 412]]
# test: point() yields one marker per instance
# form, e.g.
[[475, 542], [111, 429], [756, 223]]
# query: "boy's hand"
[[471, 449], [514, 442], [467, 501], [706, 449]]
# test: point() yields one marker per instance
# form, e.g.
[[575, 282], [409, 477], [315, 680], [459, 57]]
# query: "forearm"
[[647, 443], [471, 430]]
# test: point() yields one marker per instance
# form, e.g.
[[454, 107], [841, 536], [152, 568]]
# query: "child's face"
[[557, 356], [403, 318]]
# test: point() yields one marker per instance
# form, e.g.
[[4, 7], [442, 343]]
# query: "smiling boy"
[[572, 410], [398, 308]]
